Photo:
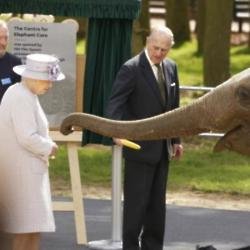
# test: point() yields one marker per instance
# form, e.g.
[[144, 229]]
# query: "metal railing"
[[194, 88]]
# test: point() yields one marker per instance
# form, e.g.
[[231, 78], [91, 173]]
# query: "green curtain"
[[86, 8], [108, 47]]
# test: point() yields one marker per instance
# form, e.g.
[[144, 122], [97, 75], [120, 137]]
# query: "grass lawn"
[[202, 170], [199, 170]]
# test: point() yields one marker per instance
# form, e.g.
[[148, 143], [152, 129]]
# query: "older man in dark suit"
[[7, 61], [146, 85]]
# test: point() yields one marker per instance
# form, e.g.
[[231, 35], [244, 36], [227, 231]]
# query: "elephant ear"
[[237, 139]]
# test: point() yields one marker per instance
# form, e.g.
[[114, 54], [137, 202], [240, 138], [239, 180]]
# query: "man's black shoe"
[[210, 247], [243, 248]]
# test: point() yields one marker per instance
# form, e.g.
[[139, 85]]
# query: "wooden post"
[[80, 67], [72, 142]]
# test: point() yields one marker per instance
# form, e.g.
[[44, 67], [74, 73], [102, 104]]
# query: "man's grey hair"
[[4, 25], [162, 30]]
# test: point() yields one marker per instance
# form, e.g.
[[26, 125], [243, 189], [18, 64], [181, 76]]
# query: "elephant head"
[[225, 109]]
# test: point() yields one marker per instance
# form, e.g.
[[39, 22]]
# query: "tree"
[[200, 25], [140, 28], [218, 20], [177, 19]]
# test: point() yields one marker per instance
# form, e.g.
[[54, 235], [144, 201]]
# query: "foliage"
[[81, 47], [240, 58], [94, 161], [190, 63]]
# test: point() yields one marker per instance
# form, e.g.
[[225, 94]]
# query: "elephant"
[[225, 109]]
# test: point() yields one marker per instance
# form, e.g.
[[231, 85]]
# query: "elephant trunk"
[[221, 110], [145, 129], [184, 121]]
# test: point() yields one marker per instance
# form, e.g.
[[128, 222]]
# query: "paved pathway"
[[185, 228]]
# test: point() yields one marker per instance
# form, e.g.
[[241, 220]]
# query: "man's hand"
[[117, 141], [177, 151]]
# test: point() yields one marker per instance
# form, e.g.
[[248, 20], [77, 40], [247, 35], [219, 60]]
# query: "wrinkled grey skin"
[[225, 109]]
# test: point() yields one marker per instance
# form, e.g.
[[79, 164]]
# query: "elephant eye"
[[243, 96]]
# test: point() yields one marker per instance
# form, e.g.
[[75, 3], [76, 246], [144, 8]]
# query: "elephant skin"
[[225, 109]]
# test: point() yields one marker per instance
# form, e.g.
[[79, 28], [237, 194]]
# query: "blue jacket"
[[7, 76]]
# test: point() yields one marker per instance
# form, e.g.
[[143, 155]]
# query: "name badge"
[[6, 81]]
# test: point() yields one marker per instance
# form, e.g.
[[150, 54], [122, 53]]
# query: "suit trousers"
[[144, 204]]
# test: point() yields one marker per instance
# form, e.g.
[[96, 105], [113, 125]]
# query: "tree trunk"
[[177, 19], [249, 38], [141, 28], [200, 25], [217, 41]]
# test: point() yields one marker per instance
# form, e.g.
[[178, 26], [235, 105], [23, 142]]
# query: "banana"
[[130, 144]]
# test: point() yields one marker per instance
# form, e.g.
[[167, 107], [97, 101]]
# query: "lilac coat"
[[25, 198]]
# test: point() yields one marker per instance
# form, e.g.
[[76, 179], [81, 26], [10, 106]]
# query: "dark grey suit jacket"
[[135, 95]]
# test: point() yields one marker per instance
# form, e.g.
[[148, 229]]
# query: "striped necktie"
[[162, 88], [161, 82]]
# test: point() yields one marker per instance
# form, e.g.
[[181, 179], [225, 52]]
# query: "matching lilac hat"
[[41, 67]]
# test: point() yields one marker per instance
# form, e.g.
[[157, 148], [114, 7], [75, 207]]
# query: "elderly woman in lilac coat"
[[25, 198]]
